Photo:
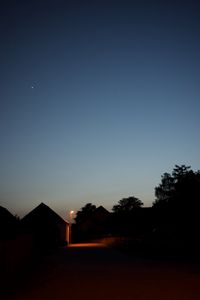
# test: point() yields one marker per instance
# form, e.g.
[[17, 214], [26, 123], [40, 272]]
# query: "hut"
[[47, 228]]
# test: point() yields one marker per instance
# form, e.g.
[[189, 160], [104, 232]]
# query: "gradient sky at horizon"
[[98, 100]]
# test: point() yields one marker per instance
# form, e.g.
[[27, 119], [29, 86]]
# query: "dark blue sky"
[[98, 99]]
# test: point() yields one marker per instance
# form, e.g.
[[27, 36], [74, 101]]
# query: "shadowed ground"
[[91, 271]]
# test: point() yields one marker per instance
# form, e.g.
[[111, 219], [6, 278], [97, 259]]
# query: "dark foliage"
[[91, 223], [179, 190], [85, 213], [130, 219], [127, 205], [176, 210]]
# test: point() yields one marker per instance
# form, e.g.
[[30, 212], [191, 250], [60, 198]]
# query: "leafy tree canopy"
[[127, 205], [180, 189], [85, 212]]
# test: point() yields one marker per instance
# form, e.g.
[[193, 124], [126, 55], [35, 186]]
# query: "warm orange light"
[[88, 245]]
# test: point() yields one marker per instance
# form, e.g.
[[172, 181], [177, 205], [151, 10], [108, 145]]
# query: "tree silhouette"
[[179, 190], [84, 213], [165, 191], [176, 209], [127, 205]]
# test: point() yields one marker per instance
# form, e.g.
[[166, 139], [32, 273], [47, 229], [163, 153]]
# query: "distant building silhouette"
[[99, 220], [47, 228], [8, 224], [93, 226]]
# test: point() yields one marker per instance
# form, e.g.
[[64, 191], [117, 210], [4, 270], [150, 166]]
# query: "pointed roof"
[[6, 216], [102, 209], [100, 213], [8, 224], [42, 214]]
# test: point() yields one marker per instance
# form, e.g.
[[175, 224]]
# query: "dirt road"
[[91, 271]]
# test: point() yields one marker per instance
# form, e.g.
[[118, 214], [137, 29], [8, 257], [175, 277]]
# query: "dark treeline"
[[170, 227]]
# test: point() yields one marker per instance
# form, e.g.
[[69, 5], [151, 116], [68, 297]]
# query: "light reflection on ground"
[[87, 245], [94, 272]]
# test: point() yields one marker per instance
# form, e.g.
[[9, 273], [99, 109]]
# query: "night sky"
[[97, 99]]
